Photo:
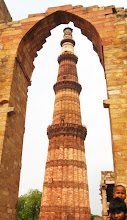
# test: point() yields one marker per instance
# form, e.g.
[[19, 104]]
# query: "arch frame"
[[19, 43]]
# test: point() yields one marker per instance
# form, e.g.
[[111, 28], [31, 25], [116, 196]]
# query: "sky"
[[41, 98]]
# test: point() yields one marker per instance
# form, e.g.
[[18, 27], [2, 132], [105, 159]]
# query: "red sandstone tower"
[[65, 190]]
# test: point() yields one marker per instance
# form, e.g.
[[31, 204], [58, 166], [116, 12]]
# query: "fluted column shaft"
[[65, 190]]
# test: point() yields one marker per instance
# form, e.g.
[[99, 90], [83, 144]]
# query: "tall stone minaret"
[[65, 190]]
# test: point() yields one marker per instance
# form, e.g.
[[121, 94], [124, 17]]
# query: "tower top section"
[[67, 43]]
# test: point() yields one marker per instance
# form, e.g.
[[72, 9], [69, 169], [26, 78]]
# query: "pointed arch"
[[34, 39]]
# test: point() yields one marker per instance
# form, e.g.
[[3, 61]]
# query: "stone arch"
[[33, 40], [19, 42]]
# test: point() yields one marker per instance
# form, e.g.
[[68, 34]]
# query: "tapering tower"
[[65, 190]]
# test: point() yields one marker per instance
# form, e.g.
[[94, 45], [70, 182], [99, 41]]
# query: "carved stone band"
[[66, 129], [67, 85], [68, 40], [65, 184], [66, 209], [67, 56], [56, 163]]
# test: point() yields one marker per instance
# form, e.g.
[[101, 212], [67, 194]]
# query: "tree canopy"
[[29, 205]]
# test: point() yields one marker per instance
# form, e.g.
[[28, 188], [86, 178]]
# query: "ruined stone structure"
[[106, 28], [4, 13], [65, 191], [106, 189]]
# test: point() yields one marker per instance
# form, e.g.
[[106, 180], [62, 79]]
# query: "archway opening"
[[40, 110]]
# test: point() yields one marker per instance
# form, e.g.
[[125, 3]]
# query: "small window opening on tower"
[[62, 119], [64, 76]]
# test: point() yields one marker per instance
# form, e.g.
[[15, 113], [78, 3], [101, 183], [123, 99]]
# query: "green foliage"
[[29, 205], [93, 216]]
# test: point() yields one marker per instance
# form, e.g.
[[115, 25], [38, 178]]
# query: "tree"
[[93, 216], [29, 205], [21, 207]]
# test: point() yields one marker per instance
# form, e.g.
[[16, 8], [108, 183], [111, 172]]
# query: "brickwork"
[[65, 191], [106, 27], [4, 13]]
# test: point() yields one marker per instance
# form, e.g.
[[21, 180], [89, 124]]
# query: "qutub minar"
[[65, 190]]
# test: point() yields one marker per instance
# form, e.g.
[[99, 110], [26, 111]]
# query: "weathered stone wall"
[[12, 144], [107, 179], [106, 27], [4, 13]]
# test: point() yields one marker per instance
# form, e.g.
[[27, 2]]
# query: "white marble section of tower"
[[68, 45]]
